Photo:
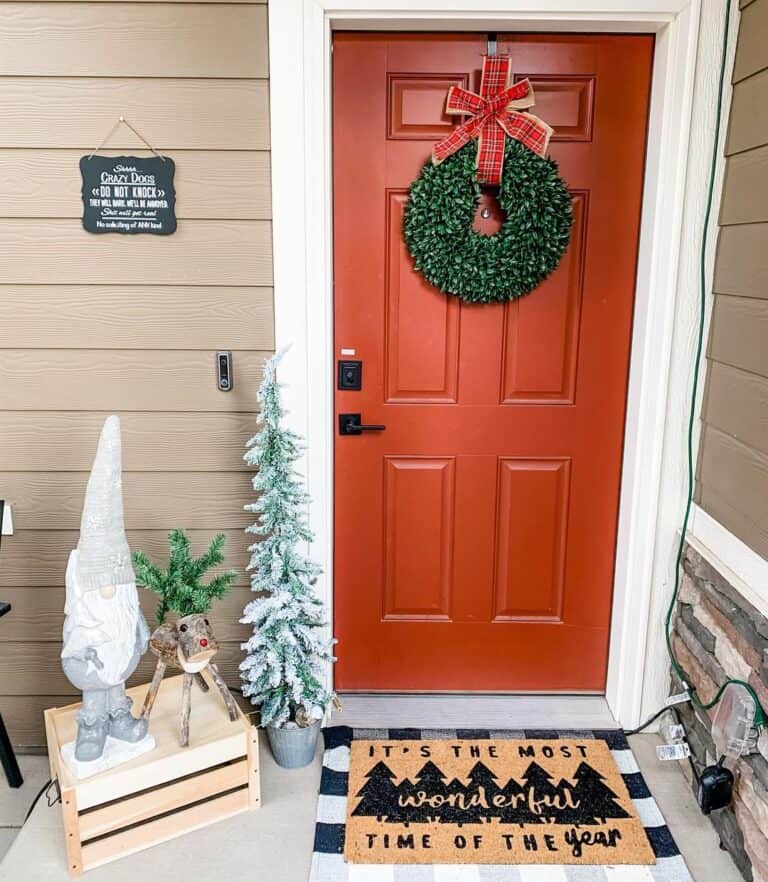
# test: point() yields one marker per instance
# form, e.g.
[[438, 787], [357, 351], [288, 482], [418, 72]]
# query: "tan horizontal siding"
[[742, 261], [38, 558], [737, 404], [732, 469], [37, 614], [91, 325], [136, 317], [77, 112], [200, 252], [740, 333], [749, 114], [47, 184], [745, 191], [734, 487], [130, 40], [115, 380], [194, 500], [152, 442], [751, 55], [22, 714], [27, 667]]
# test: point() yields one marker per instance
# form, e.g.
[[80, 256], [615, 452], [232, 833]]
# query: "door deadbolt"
[[350, 375]]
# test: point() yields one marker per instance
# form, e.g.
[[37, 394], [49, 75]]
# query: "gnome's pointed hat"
[[103, 555]]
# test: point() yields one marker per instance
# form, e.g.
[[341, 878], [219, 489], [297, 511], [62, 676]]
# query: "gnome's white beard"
[[117, 617], [107, 625]]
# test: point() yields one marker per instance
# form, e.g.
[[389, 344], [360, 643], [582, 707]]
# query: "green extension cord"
[[760, 715]]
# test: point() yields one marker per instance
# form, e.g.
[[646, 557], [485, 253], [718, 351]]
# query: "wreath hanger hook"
[[491, 189]]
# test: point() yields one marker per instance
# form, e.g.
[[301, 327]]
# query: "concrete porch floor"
[[275, 842]]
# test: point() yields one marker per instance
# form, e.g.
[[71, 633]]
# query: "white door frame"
[[679, 139]]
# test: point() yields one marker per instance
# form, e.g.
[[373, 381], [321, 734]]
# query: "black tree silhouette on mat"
[[516, 809], [471, 803], [454, 811], [379, 794], [572, 812], [596, 799], [531, 799], [482, 781], [402, 810], [430, 781], [544, 795]]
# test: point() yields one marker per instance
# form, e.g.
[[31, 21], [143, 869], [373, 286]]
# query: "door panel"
[[418, 539], [422, 325], [531, 512], [547, 374], [565, 102], [475, 535], [416, 103]]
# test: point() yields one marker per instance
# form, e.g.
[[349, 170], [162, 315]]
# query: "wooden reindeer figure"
[[188, 645]]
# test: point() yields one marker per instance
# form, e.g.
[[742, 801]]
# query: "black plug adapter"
[[715, 788]]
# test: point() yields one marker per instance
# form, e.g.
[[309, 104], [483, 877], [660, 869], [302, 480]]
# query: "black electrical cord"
[[652, 719], [647, 723], [44, 789]]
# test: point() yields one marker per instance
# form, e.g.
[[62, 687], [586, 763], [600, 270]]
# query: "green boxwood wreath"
[[478, 268]]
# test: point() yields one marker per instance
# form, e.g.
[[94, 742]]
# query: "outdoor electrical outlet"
[[673, 732]]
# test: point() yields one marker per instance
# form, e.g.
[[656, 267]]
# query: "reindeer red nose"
[[203, 641]]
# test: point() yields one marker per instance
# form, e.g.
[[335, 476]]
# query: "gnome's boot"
[[92, 726], [122, 724]]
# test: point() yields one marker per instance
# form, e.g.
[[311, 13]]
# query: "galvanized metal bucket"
[[293, 746]]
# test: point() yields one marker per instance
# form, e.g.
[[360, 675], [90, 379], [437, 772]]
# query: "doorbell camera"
[[224, 377]]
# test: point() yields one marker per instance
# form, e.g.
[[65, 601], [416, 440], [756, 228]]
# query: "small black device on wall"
[[128, 194], [715, 790], [224, 377]]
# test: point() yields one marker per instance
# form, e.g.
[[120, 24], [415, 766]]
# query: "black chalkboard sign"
[[128, 194]]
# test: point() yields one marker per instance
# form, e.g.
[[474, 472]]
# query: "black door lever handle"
[[349, 424]]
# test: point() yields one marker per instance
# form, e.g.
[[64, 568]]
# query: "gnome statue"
[[105, 633]]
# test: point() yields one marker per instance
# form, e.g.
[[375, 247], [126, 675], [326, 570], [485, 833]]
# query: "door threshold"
[[498, 693], [475, 711]]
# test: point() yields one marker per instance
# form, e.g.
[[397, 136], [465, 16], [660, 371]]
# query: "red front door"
[[475, 535]]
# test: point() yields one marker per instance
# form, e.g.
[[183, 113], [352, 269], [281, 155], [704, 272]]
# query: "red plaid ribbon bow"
[[496, 111]]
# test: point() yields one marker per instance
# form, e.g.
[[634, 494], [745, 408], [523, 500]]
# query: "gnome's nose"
[[203, 641]]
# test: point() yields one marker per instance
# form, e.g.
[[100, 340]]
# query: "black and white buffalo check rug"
[[665, 864]]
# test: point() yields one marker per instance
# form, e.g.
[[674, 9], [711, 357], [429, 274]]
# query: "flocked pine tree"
[[284, 667]]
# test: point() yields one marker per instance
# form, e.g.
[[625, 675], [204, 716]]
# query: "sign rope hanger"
[[122, 121]]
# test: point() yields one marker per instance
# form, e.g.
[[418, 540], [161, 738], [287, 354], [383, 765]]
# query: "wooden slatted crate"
[[164, 793]]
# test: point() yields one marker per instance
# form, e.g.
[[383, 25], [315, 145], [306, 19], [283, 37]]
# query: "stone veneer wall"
[[718, 634]]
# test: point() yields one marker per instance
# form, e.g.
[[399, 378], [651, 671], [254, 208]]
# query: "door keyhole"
[[489, 215]]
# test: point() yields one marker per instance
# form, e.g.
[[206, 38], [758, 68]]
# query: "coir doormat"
[[410, 804]]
